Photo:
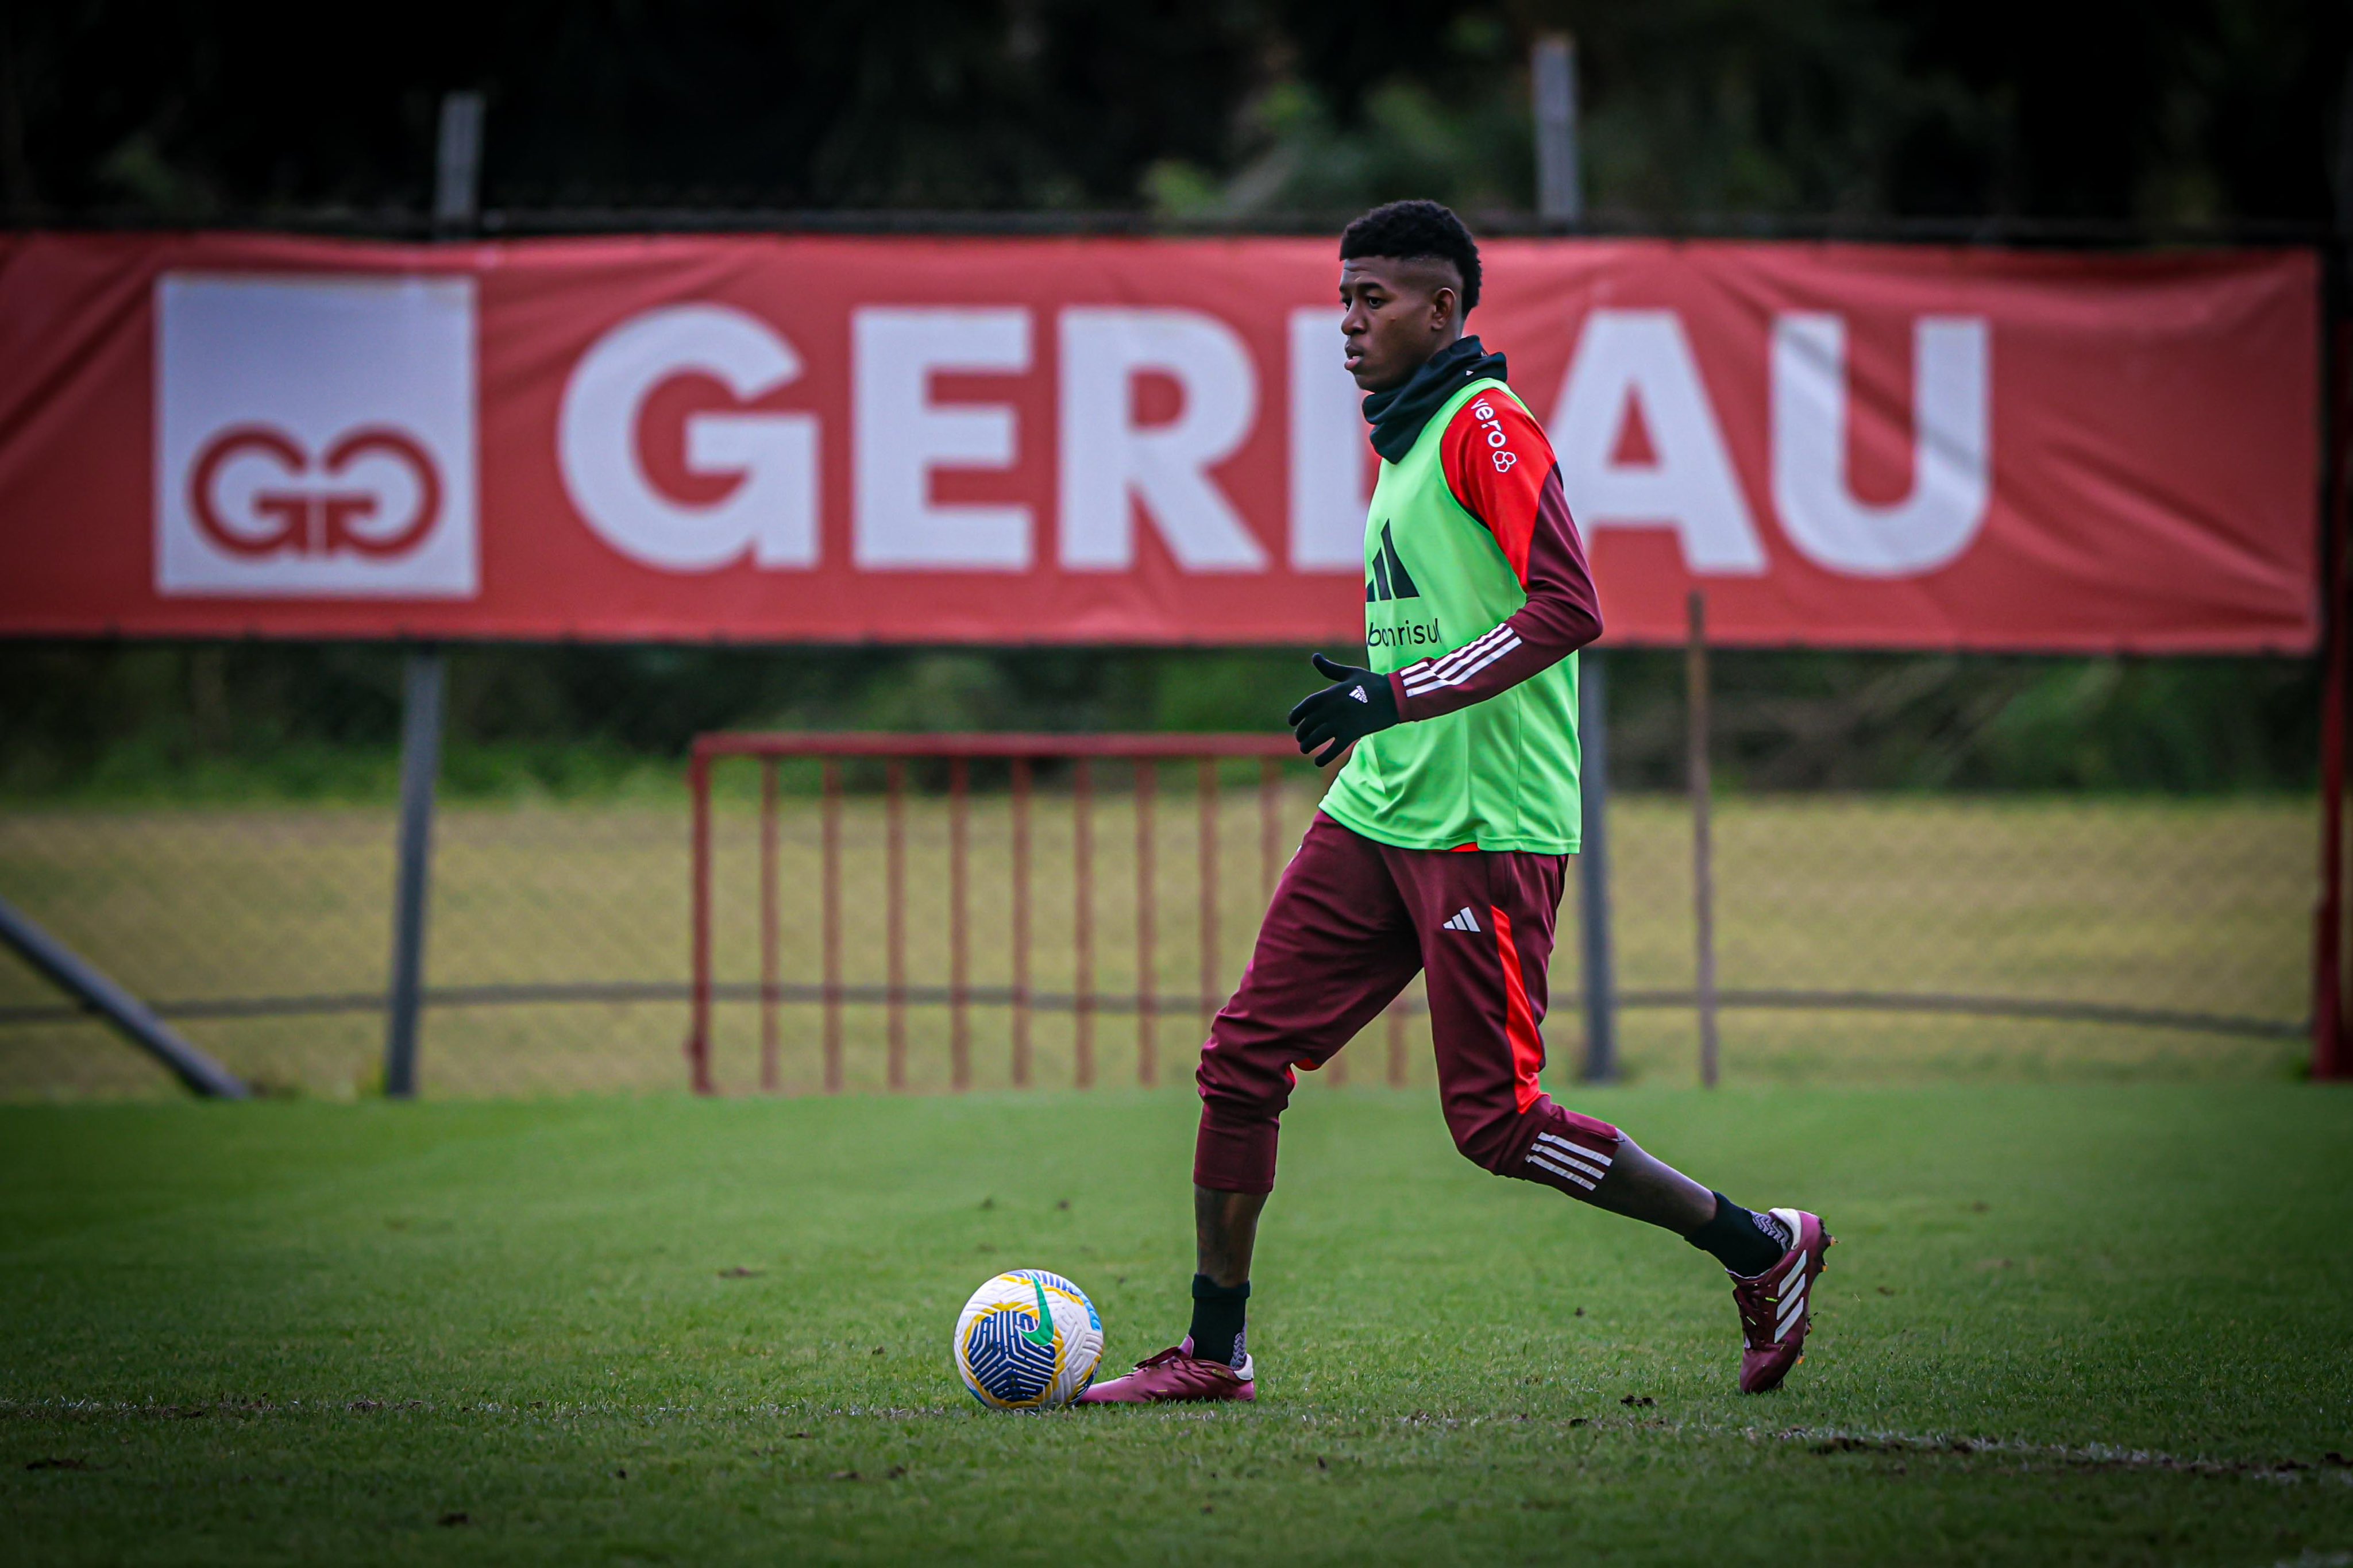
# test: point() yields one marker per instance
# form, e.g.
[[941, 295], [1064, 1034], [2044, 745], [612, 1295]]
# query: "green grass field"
[[2072, 1324]]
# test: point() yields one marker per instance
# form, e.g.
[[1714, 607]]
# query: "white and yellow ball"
[[1027, 1340]]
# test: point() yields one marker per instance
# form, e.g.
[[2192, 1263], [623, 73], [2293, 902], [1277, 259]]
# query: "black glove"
[[1358, 703]]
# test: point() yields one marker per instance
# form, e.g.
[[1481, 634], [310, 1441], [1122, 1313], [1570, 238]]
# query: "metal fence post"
[[1147, 988], [1560, 199], [1702, 848], [959, 942], [894, 923], [698, 1032], [1206, 848], [1021, 922], [458, 165], [422, 684], [1593, 867], [771, 918], [98, 993], [456, 205], [829, 900], [1551, 80], [1082, 927], [2329, 1013]]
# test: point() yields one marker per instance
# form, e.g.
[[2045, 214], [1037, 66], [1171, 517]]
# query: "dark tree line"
[[168, 722], [2155, 113]]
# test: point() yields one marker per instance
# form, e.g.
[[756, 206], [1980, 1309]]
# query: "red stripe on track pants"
[[1352, 922]]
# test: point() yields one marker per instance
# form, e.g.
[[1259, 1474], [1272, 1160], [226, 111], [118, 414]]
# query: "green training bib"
[[1499, 774]]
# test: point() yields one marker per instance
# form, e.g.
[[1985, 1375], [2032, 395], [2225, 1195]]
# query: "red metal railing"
[[1023, 753]]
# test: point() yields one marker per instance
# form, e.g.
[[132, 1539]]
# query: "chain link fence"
[[1861, 935], [1868, 938]]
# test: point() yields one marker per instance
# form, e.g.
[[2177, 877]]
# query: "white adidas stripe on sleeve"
[[1443, 663], [1418, 682], [1452, 668], [1464, 673], [1428, 668]]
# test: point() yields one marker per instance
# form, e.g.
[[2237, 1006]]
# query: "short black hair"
[[1410, 229]]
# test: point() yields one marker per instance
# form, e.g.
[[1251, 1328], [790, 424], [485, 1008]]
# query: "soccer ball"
[[1027, 1340]]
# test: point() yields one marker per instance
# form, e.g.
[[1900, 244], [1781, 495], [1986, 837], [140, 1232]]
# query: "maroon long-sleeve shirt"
[[1522, 504]]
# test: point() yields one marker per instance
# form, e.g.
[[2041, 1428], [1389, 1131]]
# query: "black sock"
[[1217, 1320], [1747, 1244]]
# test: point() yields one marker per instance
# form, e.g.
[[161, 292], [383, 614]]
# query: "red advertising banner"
[[1131, 441]]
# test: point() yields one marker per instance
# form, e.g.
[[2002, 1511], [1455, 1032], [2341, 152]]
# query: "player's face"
[[1398, 313]]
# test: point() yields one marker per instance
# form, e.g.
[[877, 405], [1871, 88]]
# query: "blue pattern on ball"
[[1005, 1363]]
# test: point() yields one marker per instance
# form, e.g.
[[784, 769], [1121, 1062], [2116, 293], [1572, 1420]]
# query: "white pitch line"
[[1829, 1439]]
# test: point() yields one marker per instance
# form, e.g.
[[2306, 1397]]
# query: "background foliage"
[[190, 722], [2126, 117], [2155, 112]]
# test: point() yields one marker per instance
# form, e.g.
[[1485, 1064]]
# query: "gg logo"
[[309, 512]]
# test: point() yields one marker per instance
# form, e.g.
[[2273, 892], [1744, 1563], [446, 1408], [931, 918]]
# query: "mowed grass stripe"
[[295, 1331]]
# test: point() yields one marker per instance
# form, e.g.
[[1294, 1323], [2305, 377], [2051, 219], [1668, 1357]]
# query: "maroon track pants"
[[1351, 923]]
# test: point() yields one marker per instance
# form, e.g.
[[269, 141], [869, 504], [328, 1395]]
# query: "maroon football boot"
[[1176, 1375], [1778, 1306]]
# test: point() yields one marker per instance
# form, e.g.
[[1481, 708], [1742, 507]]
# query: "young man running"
[[1441, 845]]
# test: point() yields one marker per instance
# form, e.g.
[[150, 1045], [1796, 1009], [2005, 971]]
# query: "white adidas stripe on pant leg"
[[1574, 1164], [1561, 1171], [1585, 1159], [1575, 1159], [1577, 1149]]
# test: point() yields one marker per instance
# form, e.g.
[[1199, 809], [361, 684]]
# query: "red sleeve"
[[1500, 466]]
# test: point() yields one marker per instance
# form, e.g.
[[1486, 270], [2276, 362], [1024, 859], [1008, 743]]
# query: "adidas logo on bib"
[[1389, 579]]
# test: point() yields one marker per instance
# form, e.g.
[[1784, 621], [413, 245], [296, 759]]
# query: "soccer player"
[[1441, 845]]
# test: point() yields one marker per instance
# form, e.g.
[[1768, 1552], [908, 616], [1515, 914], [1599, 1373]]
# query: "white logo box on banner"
[[315, 437]]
